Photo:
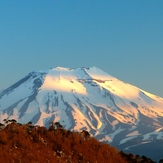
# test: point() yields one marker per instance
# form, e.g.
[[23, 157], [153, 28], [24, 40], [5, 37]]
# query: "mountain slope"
[[86, 98]]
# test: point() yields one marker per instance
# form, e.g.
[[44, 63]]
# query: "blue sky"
[[122, 37]]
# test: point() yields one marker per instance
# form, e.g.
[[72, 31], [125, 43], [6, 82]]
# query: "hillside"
[[28, 143]]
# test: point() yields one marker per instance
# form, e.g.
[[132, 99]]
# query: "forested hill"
[[28, 143]]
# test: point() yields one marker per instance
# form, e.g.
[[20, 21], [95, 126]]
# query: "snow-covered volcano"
[[88, 98]]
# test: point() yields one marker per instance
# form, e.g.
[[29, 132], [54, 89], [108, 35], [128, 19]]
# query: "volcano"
[[89, 99]]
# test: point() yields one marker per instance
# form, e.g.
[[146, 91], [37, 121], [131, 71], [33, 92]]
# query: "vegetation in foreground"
[[27, 143]]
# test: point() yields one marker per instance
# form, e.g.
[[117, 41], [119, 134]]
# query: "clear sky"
[[122, 37]]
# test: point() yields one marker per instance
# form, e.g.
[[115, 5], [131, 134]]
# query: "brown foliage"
[[27, 143]]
